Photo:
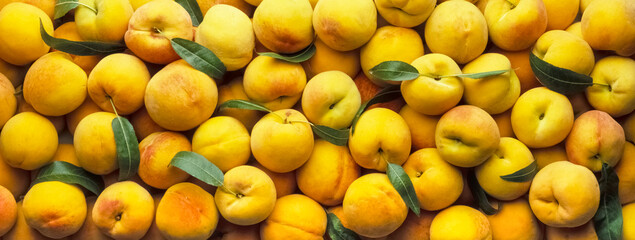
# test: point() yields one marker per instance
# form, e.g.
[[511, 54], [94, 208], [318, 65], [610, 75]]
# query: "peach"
[[89, 230], [285, 183], [157, 151], [422, 127], [7, 99], [24, 45], [73, 118], [234, 90], [331, 99], [274, 83], [328, 59], [284, 33], [325, 177], [595, 138], [124, 210], [502, 90], [294, 216], [224, 141], [143, 124], [9, 211], [28, 141], [186, 212], [344, 25], [247, 197], [94, 143], [460, 222], [515, 25], [515, 220]]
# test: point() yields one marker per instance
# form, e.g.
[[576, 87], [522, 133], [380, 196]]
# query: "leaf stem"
[[602, 84], [113, 105], [300, 121], [18, 92]]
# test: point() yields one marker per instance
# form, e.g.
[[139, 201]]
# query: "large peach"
[[429, 93], [151, 28], [345, 25], [390, 43], [381, 136], [515, 220], [595, 138], [184, 109], [564, 194], [247, 197], [157, 151], [542, 118], [124, 210], [94, 142], [22, 43], [53, 214], [120, 80], [294, 217], [515, 25], [614, 79], [103, 20], [186, 211], [325, 177], [283, 131], [284, 33], [331, 99], [437, 183], [460, 222], [274, 83], [466, 136], [55, 85], [502, 90], [458, 30], [224, 141], [28, 141], [565, 50], [372, 206], [614, 31]]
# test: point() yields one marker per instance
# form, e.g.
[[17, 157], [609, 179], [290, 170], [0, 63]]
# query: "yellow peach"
[[417, 227], [614, 79], [514, 220], [157, 151], [564, 194], [328, 59], [55, 85], [545, 156], [24, 44], [224, 141], [560, 14], [381, 136], [284, 33], [103, 20], [283, 131], [345, 25], [502, 90], [185, 109], [595, 138], [565, 50], [21, 230], [143, 124], [584, 232], [460, 222], [9, 211], [422, 127], [234, 90], [458, 30], [614, 31], [247, 197], [186, 212], [623, 169], [28, 141], [276, 84], [628, 215], [515, 25], [53, 214], [520, 63], [94, 142], [325, 177], [331, 99], [405, 13], [8, 100], [120, 80], [372, 206], [66, 153], [437, 183], [124, 210], [285, 183], [294, 217], [229, 34]]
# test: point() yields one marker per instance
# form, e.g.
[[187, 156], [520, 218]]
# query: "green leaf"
[[128, 155], [479, 195], [199, 167], [64, 6], [337, 231], [394, 71], [525, 174], [80, 48], [199, 57], [477, 75], [301, 56], [608, 218], [191, 6], [557, 79], [243, 104], [334, 136], [403, 185], [385, 95], [71, 174]]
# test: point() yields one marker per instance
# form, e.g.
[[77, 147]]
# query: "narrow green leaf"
[[557, 79], [525, 174], [243, 104], [477, 75], [301, 56], [385, 95], [64, 6], [191, 6], [394, 71], [128, 155], [338, 137], [80, 48], [337, 231], [403, 185], [479, 195], [71, 174], [608, 218], [199, 167], [199, 57]]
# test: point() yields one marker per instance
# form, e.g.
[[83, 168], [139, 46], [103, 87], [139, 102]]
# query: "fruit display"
[[317, 119]]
